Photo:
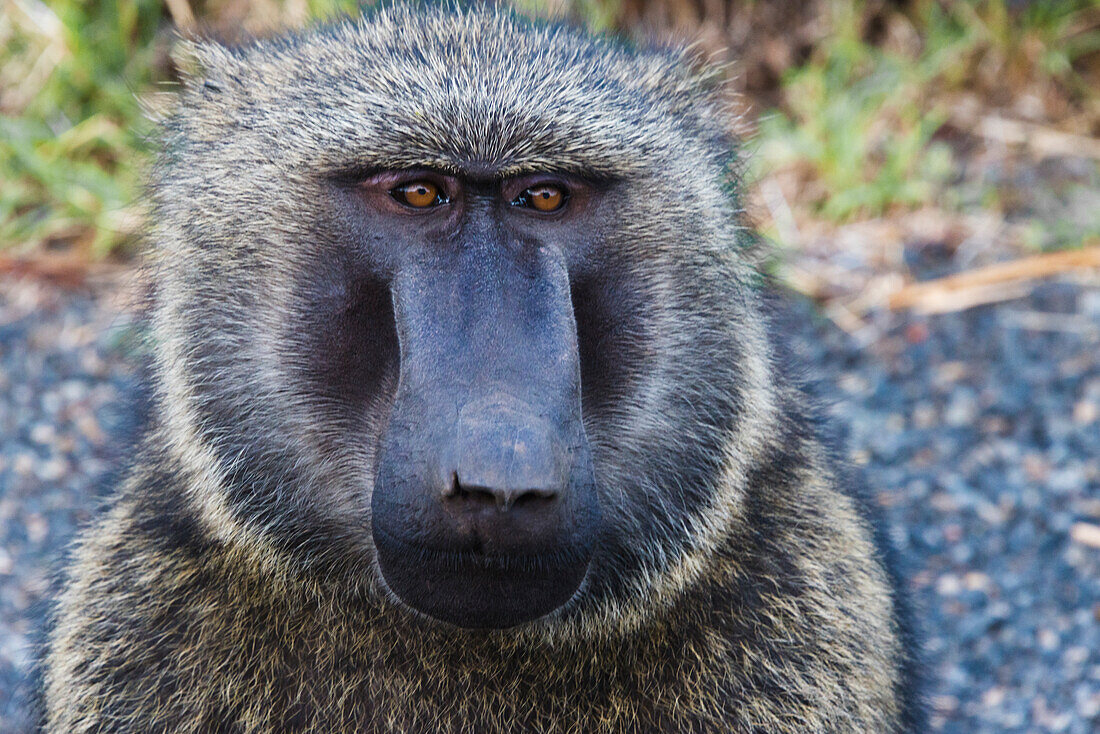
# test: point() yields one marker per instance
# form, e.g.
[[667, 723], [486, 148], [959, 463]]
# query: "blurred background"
[[927, 173]]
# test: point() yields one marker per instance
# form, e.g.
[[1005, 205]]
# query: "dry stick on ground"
[[1044, 141], [65, 270], [992, 283]]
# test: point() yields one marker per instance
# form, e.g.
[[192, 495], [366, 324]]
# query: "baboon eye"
[[419, 194], [543, 198]]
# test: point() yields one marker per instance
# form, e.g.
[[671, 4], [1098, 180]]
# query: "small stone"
[[925, 416], [1076, 655], [37, 528], [43, 433], [991, 513], [89, 427], [23, 465], [949, 373], [1086, 534], [977, 581], [1078, 556], [1036, 468], [73, 390], [948, 585], [962, 410], [1085, 412], [1090, 507], [51, 470], [994, 697], [1048, 639], [1088, 706], [1067, 480], [51, 403], [944, 502], [916, 333], [853, 383], [952, 532]]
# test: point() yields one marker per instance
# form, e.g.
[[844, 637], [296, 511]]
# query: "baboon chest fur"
[[467, 414]]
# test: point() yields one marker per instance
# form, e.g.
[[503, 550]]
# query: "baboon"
[[467, 415]]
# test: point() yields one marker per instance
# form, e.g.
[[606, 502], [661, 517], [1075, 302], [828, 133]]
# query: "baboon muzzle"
[[484, 509]]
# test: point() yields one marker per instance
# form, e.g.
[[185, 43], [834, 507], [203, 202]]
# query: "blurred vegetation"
[[69, 121], [73, 135], [865, 106], [867, 121]]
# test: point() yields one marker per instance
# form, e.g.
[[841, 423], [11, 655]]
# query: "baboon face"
[[484, 510], [453, 304]]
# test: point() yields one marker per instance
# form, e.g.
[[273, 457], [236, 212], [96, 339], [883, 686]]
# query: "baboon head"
[[452, 314]]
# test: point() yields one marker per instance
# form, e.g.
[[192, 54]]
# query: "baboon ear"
[[204, 65]]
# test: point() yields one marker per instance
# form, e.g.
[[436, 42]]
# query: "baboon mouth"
[[477, 590]]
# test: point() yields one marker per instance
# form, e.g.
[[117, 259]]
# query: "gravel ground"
[[980, 431], [65, 389]]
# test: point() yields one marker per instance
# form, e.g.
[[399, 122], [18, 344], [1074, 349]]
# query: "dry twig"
[[66, 270], [993, 283], [1044, 141]]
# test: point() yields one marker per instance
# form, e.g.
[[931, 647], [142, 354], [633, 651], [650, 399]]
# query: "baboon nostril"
[[452, 489], [534, 497], [504, 498]]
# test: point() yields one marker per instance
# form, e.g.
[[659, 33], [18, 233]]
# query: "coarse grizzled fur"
[[738, 585]]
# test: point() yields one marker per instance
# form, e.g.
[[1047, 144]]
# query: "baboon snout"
[[505, 477], [484, 510], [487, 522]]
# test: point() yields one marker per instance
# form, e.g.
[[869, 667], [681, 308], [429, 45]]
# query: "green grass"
[[854, 120], [70, 125]]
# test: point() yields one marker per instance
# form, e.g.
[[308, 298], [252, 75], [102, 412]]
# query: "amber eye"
[[542, 198], [418, 194]]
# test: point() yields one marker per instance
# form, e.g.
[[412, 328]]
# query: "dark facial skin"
[[484, 509]]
